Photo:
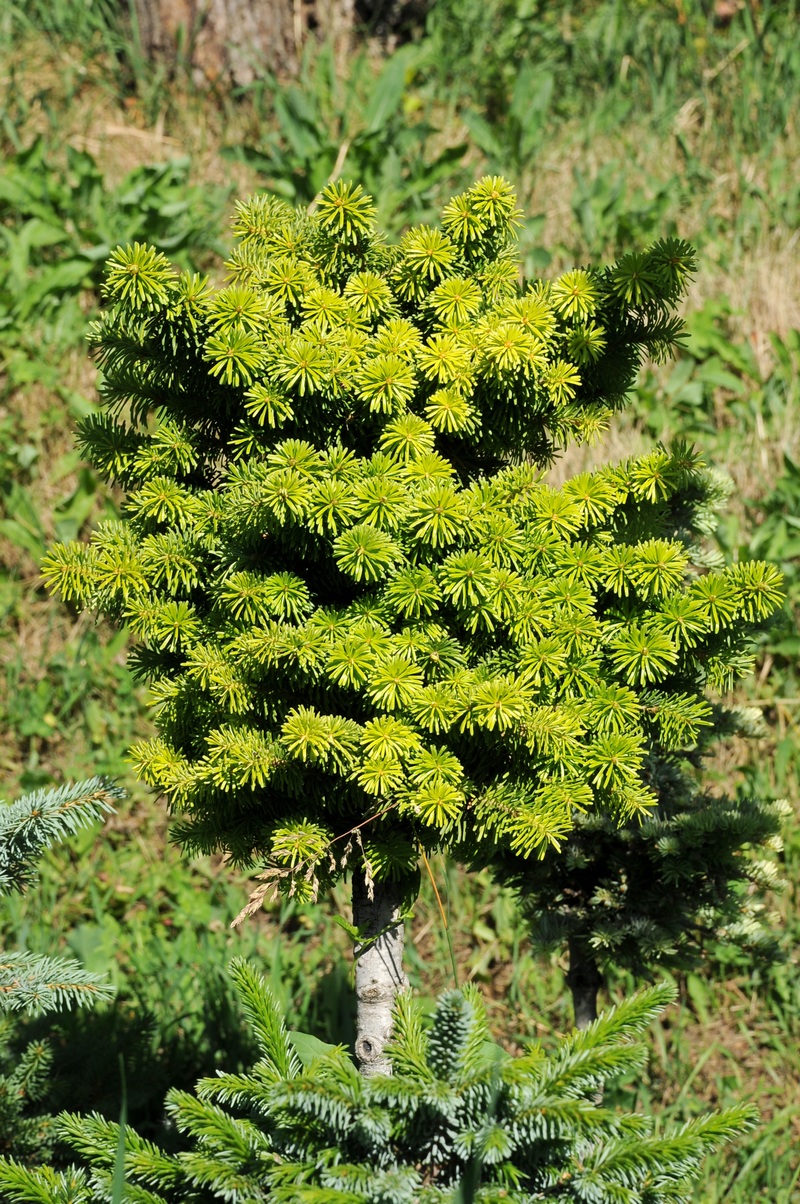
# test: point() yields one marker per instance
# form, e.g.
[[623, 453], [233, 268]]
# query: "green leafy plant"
[[60, 223], [607, 66], [313, 130], [515, 141], [100, 30], [610, 215], [457, 1120], [77, 701]]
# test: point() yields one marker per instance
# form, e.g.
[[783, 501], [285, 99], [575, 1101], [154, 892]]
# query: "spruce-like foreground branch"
[[28, 826], [456, 1120]]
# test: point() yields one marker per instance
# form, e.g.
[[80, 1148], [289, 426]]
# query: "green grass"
[[616, 129]]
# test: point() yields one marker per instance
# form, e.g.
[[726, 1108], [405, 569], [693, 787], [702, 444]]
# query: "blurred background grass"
[[618, 122]]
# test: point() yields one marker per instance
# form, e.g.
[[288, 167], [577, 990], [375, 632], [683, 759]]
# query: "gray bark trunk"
[[235, 41], [584, 981], [379, 969]]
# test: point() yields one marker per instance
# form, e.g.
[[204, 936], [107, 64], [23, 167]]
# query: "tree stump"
[[236, 42]]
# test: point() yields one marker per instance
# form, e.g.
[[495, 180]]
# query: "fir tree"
[[26, 1127], [33, 983], [27, 827], [659, 892], [655, 890], [370, 625], [457, 1121]]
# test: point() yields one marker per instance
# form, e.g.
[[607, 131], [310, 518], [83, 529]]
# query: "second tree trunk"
[[584, 981]]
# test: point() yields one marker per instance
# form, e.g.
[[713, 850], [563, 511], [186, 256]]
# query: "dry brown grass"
[[760, 275], [75, 98]]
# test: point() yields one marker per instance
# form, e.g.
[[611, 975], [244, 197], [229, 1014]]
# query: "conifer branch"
[[457, 1112]]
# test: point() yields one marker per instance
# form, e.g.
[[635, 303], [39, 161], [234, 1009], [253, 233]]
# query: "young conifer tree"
[[655, 890], [634, 896], [458, 1122], [370, 626]]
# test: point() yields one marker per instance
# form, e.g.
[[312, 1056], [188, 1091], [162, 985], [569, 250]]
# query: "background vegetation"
[[618, 122]]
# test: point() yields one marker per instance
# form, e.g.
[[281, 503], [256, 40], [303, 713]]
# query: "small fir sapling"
[[371, 627], [33, 983], [656, 890], [458, 1121]]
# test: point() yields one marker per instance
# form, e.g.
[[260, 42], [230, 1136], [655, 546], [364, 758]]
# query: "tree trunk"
[[379, 969], [237, 41], [584, 981]]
